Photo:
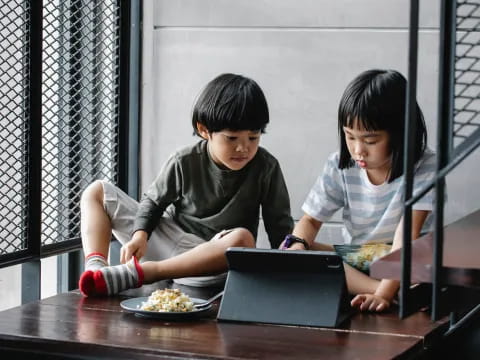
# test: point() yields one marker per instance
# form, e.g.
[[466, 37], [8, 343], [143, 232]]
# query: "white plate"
[[134, 305]]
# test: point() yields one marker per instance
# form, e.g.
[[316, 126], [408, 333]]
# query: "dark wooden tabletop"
[[72, 326], [461, 258]]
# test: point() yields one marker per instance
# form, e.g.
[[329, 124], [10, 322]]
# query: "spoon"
[[209, 301]]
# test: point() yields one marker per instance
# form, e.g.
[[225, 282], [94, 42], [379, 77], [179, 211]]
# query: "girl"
[[365, 179]]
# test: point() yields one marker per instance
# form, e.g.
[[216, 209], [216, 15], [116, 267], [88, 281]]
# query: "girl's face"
[[231, 149], [371, 151]]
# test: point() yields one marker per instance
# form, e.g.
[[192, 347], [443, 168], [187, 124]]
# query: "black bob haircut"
[[231, 102], [375, 100]]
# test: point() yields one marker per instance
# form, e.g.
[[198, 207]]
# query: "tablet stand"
[[285, 287]]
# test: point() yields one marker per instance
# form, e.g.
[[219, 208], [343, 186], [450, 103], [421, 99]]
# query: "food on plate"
[[168, 300], [361, 256]]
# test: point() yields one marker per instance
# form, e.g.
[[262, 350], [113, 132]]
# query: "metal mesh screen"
[[467, 71], [14, 99], [80, 113], [80, 108]]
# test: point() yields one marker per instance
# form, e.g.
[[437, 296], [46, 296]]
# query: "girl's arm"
[[306, 228], [387, 288]]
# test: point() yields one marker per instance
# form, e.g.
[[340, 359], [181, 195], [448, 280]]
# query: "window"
[[64, 66]]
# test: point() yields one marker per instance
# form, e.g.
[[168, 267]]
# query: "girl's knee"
[[240, 237]]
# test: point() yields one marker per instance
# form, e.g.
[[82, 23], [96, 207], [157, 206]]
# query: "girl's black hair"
[[375, 100], [231, 102]]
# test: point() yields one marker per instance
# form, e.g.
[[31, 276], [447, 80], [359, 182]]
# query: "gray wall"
[[302, 53]]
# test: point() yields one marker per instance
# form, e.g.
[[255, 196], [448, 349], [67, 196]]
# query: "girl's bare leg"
[[357, 282], [322, 247]]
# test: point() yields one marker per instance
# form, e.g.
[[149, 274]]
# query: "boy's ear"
[[203, 131]]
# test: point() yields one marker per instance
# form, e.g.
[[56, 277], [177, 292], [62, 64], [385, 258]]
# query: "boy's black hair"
[[231, 102], [375, 100]]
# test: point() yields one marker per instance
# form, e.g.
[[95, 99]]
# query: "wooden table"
[[71, 326]]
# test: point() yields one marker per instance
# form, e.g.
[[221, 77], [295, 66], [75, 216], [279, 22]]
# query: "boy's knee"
[[94, 191], [241, 237]]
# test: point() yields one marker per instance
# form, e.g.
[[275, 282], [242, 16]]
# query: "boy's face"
[[231, 149]]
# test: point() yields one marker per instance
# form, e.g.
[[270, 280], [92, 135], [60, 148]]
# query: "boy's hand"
[[370, 302], [137, 246]]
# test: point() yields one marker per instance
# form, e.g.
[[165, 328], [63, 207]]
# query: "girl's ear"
[[203, 131]]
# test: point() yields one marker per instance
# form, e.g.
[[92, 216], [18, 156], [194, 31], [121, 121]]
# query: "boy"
[[206, 198]]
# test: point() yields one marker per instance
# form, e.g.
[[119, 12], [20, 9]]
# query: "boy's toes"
[[100, 284], [86, 284]]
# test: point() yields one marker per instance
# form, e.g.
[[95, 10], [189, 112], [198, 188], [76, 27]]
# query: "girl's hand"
[[370, 302], [137, 246]]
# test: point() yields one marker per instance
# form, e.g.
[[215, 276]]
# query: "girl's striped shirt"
[[371, 213]]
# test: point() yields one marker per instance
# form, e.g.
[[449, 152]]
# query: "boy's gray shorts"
[[166, 240]]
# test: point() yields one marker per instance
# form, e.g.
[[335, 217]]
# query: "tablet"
[[290, 287]]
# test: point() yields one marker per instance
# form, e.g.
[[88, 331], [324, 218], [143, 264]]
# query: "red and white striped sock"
[[93, 262], [111, 280]]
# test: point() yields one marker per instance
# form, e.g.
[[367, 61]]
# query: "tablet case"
[[285, 287]]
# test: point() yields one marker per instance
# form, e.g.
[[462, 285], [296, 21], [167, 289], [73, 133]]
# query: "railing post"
[[444, 145], [410, 129], [31, 270]]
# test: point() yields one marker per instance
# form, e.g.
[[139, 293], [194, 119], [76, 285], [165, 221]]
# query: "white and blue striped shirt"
[[371, 213]]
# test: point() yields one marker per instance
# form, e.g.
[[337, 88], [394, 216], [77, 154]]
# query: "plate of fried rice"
[[167, 304]]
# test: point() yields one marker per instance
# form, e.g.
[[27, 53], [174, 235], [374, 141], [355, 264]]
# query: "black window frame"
[[70, 261]]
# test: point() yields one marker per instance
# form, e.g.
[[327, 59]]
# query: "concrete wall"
[[302, 53]]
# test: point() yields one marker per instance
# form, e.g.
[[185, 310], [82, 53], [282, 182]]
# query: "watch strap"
[[291, 239]]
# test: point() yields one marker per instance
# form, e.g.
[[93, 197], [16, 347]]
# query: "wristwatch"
[[291, 239]]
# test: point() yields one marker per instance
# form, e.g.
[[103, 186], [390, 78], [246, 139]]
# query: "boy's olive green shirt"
[[204, 199]]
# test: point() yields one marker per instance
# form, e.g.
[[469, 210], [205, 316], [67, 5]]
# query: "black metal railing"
[[458, 124]]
